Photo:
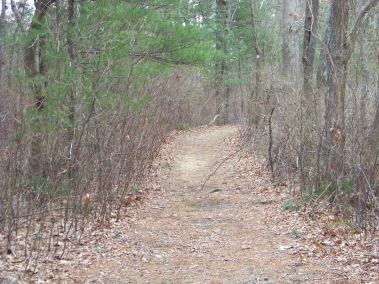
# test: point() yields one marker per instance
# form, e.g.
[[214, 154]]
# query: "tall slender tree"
[[340, 45], [254, 118], [2, 27], [225, 10], [309, 44], [34, 64], [290, 39]]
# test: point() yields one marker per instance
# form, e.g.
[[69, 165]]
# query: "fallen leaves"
[[238, 228]]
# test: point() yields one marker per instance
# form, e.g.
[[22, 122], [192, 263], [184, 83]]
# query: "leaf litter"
[[231, 229]]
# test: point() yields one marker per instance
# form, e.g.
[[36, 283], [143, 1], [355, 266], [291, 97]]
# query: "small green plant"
[[326, 191], [166, 165], [294, 234], [289, 205], [136, 188], [87, 209], [116, 235], [183, 126]]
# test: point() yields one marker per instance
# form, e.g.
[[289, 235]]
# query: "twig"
[[210, 123], [223, 161], [34, 214], [270, 144], [215, 190]]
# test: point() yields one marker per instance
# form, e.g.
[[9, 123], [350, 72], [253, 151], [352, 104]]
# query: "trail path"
[[227, 232]]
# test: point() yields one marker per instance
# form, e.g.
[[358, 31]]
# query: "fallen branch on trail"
[[223, 161]]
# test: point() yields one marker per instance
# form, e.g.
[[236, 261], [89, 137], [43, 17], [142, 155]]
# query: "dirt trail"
[[183, 234]]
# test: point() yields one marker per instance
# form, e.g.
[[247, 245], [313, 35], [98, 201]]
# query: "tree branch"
[[2, 16], [357, 26], [258, 50], [17, 16]]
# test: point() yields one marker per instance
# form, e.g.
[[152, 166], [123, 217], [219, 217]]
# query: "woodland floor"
[[232, 230]]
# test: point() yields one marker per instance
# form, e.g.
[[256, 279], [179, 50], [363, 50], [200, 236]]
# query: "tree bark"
[[17, 16], [71, 53], [364, 89], [2, 27], [357, 27], [290, 39], [372, 146], [309, 45], [321, 72], [254, 118], [34, 65], [339, 50], [336, 69], [225, 14], [307, 100], [2, 62]]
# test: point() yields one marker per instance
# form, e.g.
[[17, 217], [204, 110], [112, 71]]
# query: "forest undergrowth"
[[238, 227]]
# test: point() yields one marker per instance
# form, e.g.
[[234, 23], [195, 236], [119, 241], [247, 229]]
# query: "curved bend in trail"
[[223, 233]]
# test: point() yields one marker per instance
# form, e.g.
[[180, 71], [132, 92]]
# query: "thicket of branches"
[[302, 76], [320, 136], [89, 90]]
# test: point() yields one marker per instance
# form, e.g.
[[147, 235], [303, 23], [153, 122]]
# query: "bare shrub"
[[90, 177], [290, 133]]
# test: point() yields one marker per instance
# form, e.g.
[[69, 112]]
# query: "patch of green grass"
[[327, 190], [290, 205]]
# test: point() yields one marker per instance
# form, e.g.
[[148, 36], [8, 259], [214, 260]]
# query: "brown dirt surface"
[[229, 230]]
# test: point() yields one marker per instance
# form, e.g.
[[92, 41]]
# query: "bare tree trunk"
[[17, 16], [254, 118], [71, 53], [339, 50], [373, 139], [364, 90], [33, 54], [290, 39], [2, 62], [225, 11], [336, 68], [309, 45], [321, 72], [220, 66], [72, 112], [2, 26], [308, 100], [258, 50]]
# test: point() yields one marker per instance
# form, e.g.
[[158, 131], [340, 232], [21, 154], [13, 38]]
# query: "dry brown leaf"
[[337, 134], [295, 15]]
